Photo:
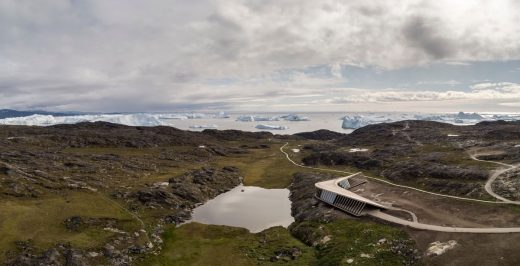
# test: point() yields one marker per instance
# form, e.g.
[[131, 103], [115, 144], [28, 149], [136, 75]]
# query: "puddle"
[[253, 208]]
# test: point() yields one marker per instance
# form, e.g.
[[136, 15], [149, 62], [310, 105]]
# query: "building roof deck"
[[332, 186]]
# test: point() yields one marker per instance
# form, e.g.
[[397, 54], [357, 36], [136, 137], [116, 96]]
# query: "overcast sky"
[[260, 55]]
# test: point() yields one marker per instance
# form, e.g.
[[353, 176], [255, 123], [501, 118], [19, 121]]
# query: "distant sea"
[[308, 121]]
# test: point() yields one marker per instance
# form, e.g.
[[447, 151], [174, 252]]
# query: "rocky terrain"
[[428, 154], [508, 185], [152, 176], [176, 198], [320, 226], [101, 193]]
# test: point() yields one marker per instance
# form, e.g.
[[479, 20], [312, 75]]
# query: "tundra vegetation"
[[100, 193]]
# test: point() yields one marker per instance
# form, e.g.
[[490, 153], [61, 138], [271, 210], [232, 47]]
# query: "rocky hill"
[[430, 154]]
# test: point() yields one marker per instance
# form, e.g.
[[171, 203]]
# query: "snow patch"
[[438, 248], [358, 150]]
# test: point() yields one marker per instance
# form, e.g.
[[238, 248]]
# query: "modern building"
[[337, 192]]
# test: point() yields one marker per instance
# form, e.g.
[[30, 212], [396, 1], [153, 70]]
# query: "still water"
[[253, 208]]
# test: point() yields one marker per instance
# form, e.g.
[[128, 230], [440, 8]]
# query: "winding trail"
[[417, 225], [447, 229], [488, 187], [388, 182]]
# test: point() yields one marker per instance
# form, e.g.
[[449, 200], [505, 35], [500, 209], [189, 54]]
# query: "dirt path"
[[414, 223], [488, 187], [387, 182], [438, 228]]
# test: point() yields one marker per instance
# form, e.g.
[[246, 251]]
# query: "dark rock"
[[156, 196], [360, 160], [321, 134], [305, 207], [178, 218], [74, 223], [194, 187], [137, 249], [74, 257], [236, 134]]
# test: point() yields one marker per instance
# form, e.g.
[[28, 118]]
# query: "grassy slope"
[[359, 241], [199, 244], [42, 220], [267, 168]]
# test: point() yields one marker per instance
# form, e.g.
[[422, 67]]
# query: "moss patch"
[[42, 221], [352, 242], [199, 244]]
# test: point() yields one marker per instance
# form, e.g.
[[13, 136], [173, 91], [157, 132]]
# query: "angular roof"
[[332, 186]]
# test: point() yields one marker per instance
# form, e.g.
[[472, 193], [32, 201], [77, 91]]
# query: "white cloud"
[[483, 91], [439, 82]]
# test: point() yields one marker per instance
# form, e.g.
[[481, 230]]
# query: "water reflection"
[[249, 207]]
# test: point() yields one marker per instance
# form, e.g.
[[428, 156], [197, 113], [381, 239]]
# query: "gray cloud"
[[422, 34], [160, 55]]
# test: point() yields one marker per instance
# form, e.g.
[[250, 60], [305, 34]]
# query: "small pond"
[[253, 208]]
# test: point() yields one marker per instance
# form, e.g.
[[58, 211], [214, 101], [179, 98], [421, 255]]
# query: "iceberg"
[[253, 118], [271, 127], [293, 117], [431, 117], [468, 116], [354, 122], [195, 116], [48, 120], [506, 117], [246, 118], [289, 117], [210, 126], [222, 115], [172, 116], [32, 120]]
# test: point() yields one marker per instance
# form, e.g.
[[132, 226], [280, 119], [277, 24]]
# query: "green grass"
[[42, 220], [358, 241], [199, 244], [267, 168]]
